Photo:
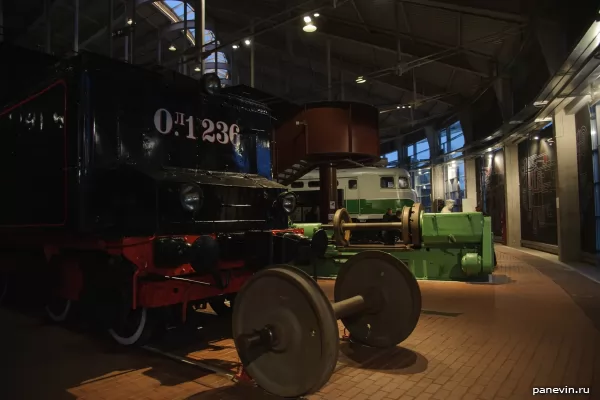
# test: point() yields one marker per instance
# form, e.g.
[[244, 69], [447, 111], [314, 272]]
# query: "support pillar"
[[328, 192], [76, 28], [513, 196], [200, 17], [567, 188], [329, 94], [1, 21], [47, 27], [252, 58], [111, 8], [471, 183]]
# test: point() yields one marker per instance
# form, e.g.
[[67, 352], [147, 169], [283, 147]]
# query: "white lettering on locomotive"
[[219, 132]]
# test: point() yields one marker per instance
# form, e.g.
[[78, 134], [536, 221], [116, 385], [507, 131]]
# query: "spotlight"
[[247, 42], [172, 47], [536, 137], [197, 69], [235, 47], [360, 79], [316, 15], [307, 19], [129, 21], [403, 106], [398, 107], [309, 28]]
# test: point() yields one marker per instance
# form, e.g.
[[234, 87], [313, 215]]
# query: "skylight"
[[174, 10]]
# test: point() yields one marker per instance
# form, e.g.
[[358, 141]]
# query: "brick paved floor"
[[473, 341]]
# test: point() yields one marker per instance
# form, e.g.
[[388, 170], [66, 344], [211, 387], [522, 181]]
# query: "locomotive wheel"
[[222, 306], [134, 329], [392, 290], [298, 338], [59, 309]]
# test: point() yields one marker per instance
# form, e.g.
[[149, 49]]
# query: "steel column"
[[329, 197], [48, 27], [200, 16], [132, 31], [329, 95], [111, 6], [1, 22], [76, 28], [252, 58]]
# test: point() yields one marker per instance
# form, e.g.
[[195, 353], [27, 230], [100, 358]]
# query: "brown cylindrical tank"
[[332, 132]]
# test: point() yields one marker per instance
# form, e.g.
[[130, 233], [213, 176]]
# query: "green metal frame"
[[455, 247]]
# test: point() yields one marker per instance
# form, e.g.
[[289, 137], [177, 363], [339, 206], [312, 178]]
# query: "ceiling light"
[[247, 42], [360, 79], [172, 47], [197, 69], [409, 106], [309, 28], [397, 106], [129, 21], [546, 119], [536, 137], [235, 46], [490, 149], [540, 103], [307, 19], [403, 106], [316, 15]]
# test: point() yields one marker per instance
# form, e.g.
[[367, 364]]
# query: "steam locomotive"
[[138, 194]]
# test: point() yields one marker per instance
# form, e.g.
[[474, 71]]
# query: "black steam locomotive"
[[135, 191]]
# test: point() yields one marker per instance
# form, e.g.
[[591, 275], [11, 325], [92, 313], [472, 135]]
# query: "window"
[[392, 159], [422, 183], [297, 185], [174, 10], [387, 182], [451, 138], [403, 183], [418, 153], [454, 182], [352, 184], [313, 184]]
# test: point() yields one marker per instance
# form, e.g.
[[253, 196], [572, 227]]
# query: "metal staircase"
[[294, 173]]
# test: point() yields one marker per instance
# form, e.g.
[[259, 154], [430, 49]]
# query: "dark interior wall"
[[528, 74], [585, 169], [537, 178], [491, 189]]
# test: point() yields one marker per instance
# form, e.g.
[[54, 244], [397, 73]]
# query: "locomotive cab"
[[142, 189]]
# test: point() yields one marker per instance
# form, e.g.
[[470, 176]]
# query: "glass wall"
[[417, 153], [596, 166], [392, 159], [451, 139], [421, 181]]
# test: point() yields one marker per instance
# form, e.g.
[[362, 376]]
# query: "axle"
[[266, 337], [366, 226]]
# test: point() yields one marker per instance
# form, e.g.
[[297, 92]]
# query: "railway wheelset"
[[286, 332]]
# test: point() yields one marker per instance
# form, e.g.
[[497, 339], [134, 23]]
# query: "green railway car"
[[366, 192]]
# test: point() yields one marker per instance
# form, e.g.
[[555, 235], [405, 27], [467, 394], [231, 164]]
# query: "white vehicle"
[[365, 192]]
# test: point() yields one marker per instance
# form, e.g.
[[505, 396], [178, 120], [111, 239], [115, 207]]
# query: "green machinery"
[[449, 246]]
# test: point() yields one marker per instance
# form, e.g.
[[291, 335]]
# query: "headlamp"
[[191, 197], [288, 202], [211, 83]]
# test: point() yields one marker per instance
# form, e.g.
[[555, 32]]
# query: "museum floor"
[[536, 325]]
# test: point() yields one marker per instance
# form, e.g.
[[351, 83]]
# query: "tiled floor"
[[473, 341]]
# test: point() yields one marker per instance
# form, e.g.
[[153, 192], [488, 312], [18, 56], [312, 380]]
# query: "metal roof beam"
[[477, 11]]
